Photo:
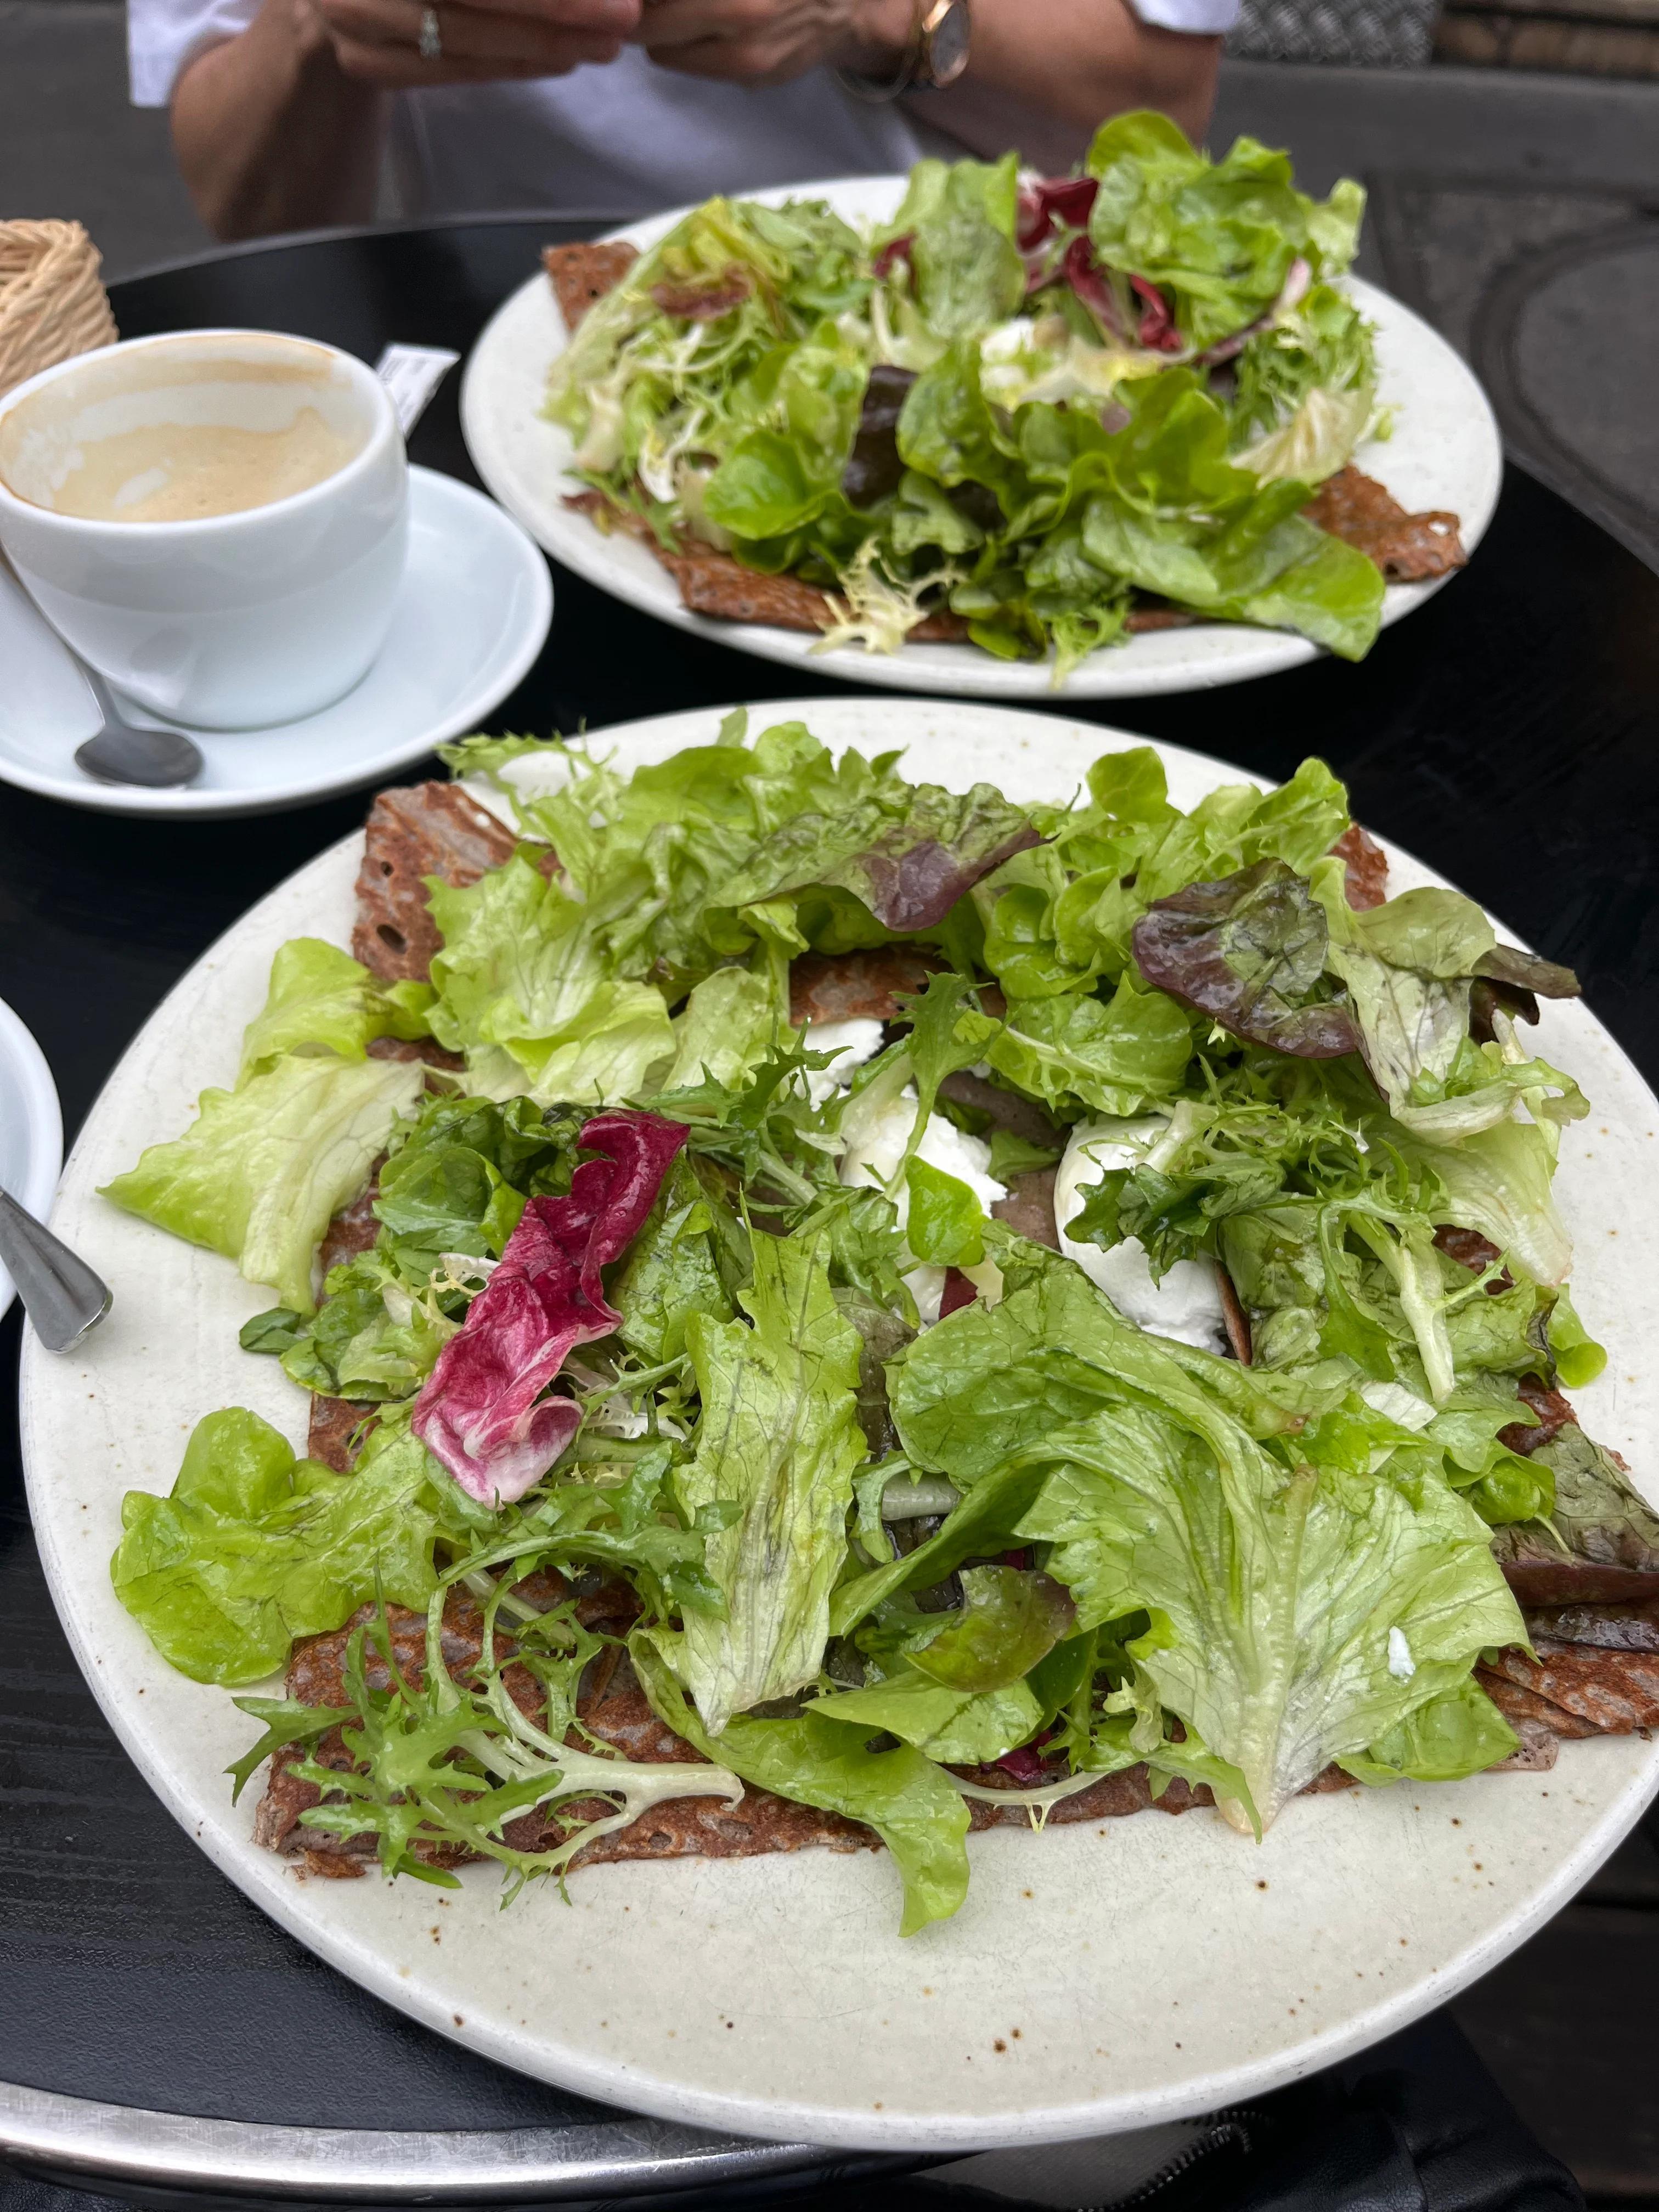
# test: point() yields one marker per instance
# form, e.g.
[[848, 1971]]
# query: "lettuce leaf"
[[938, 188], [1249, 951], [252, 1546], [525, 989], [725, 1028], [1218, 236], [457, 1181], [262, 1168], [912, 1804], [672, 1271], [1300, 1606], [1008, 1622], [1058, 918], [984, 1522], [321, 997], [990, 1381], [906, 852], [957, 1727], [1117, 1057], [779, 1438], [1459, 1733], [1306, 389], [781, 475]]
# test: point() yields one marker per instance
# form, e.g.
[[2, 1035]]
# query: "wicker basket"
[[52, 304]]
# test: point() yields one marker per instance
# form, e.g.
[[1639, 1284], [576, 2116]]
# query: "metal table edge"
[[278, 241], [119, 2146]]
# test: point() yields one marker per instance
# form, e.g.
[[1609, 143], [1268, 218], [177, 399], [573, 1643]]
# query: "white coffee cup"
[[148, 503]]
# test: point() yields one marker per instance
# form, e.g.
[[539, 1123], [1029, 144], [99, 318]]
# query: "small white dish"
[[1444, 452], [472, 614], [31, 1127]]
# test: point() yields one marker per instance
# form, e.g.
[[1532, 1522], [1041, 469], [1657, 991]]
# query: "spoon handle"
[[60, 1293], [100, 692]]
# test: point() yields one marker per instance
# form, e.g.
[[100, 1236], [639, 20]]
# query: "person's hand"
[[759, 42], [378, 42]]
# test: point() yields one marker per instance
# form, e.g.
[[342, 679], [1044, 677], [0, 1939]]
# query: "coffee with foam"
[[184, 430]]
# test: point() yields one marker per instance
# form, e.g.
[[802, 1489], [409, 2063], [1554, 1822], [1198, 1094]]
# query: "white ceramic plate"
[[472, 616], [31, 1127], [1097, 1979], [1444, 454]]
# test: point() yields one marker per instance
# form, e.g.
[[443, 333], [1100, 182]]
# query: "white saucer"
[[31, 1127], [474, 612]]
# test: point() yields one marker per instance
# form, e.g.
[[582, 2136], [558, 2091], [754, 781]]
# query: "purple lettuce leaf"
[[1248, 950]]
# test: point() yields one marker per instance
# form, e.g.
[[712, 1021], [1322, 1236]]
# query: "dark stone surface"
[[1508, 733]]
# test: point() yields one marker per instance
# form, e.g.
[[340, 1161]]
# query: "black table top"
[[1508, 733]]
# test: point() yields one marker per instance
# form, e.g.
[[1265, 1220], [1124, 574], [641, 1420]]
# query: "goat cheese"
[[875, 1147], [853, 1042], [1187, 1304]]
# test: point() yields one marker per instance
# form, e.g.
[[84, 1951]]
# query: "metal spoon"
[[60, 1293], [162, 760]]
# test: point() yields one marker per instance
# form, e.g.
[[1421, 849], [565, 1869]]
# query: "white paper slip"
[[411, 374]]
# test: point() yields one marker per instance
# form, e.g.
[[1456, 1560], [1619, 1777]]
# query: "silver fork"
[[60, 1293]]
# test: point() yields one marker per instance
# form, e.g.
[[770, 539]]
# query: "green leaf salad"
[[951, 1301], [1036, 407]]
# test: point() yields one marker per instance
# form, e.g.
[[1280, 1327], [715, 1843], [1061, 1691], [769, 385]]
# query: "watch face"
[[947, 43]]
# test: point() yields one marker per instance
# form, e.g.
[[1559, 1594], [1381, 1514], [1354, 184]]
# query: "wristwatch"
[[936, 56]]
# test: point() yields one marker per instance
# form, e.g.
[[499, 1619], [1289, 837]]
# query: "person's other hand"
[[378, 41], [760, 42]]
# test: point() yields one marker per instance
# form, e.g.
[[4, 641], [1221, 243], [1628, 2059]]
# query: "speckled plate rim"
[[1097, 1980], [1444, 452]]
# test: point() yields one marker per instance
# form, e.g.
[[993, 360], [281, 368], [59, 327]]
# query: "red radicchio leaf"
[[1025, 1765], [481, 1410], [895, 250], [1157, 328], [708, 301], [1079, 269], [958, 1291], [1052, 201]]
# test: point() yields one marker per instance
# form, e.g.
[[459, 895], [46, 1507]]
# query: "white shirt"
[[625, 139]]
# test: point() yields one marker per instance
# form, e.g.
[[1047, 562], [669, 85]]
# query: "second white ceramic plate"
[[1444, 452], [1097, 1978], [473, 615]]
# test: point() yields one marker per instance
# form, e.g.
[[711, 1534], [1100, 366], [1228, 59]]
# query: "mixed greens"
[[1031, 402], [1201, 1476]]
